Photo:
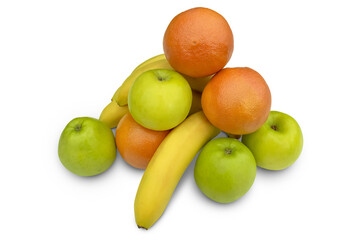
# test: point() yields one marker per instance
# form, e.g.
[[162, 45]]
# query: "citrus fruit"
[[237, 100], [198, 42], [135, 143]]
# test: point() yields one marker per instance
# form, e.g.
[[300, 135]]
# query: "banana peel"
[[167, 165], [112, 114]]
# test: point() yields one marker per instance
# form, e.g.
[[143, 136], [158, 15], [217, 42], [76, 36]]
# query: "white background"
[[65, 59]]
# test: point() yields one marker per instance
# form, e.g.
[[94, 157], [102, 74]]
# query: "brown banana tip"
[[141, 227]]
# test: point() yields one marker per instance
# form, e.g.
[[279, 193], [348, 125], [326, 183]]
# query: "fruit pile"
[[172, 106]]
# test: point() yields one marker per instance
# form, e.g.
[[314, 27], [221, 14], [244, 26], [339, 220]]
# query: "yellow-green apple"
[[87, 146], [225, 170], [160, 99], [277, 144]]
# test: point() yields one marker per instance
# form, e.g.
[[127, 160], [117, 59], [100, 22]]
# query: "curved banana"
[[153, 59], [167, 166], [112, 114]]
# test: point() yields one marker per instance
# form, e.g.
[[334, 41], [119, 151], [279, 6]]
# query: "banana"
[[153, 59], [168, 165], [112, 114]]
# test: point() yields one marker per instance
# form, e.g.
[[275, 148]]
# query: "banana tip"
[[142, 227]]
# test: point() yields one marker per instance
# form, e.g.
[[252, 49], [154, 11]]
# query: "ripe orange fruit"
[[237, 100], [135, 143], [198, 42]]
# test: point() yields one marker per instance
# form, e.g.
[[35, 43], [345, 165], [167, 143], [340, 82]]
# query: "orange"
[[237, 100], [135, 143], [198, 42]]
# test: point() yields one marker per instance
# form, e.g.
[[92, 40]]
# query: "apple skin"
[[225, 170], [160, 99], [87, 146], [277, 144]]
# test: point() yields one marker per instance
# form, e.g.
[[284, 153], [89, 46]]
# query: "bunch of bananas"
[[175, 152]]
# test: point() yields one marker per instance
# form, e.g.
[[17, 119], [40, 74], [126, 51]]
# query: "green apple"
[[277, 144], [160, 99], [225, 170], [87, 146]]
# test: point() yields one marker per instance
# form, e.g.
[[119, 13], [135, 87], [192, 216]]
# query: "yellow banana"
[[168, 165], [112, 114], [153, 59]]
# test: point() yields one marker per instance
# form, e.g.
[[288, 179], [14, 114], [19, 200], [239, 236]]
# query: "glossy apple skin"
[[87, 147], [160, 99], [277, 144], [225, 170]]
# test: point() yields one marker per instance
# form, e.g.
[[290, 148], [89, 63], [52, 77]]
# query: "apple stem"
[[228, 151], [274, 127], [78, 127]]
